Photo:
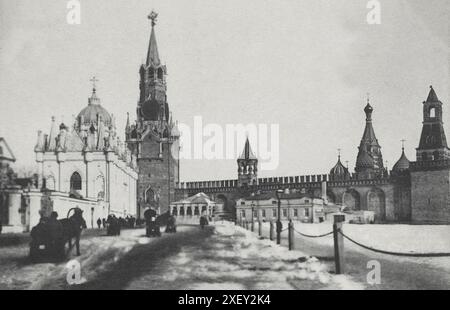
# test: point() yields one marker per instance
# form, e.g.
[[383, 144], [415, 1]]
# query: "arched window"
[[149, 196], [50, 183], [151, 73], [75, 181], [433, 112]]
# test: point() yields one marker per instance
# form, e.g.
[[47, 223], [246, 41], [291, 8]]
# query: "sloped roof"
[[5, 151], [200, 198]]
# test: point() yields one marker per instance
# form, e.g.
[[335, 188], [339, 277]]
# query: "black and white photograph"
[[237, 147]]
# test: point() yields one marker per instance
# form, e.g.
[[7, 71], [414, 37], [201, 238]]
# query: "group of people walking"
[[114, 224], [127, 222]]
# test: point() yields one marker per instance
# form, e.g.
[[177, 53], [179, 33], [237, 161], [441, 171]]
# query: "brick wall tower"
[[430, 174], [247, 167], [154, 139]]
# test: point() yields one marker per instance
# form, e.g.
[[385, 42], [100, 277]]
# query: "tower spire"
[[369, 161], [152, 54]]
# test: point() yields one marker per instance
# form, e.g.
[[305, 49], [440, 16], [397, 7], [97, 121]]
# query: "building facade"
[[87, 161], [295, 206], [412, 192], [190, 209]]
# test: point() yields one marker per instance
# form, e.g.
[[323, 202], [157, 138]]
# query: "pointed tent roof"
[[152, 54], [247, 153], [364, 160], [369, 133], [432, 97]]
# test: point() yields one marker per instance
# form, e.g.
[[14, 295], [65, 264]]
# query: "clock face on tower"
[[150, 110]]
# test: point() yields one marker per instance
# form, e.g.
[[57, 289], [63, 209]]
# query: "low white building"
[[295, 206], [195, 206], [87, 160]]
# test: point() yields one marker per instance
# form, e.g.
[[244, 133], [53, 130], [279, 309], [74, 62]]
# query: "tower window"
[[433, 112], [435, 155], [151, 73], [160, 74], [75, 181]]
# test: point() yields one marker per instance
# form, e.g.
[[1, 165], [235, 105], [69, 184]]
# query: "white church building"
[[85, 165]]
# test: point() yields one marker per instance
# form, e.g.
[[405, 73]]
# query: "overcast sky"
[[303, 64]]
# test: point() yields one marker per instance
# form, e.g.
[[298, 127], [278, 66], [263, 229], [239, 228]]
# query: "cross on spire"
[[339, 152], [403, 143], [368, 97], [94, 80], [153, 17]]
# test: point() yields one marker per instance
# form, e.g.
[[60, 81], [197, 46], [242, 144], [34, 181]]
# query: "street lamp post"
[[253, 216], [279, 225]]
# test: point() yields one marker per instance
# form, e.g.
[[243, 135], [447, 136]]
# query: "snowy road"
[[396, 272], [220, 257]]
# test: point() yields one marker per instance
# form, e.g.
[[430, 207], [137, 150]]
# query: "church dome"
[[338, 169], [91, 113], [364, 160], [402, 164]]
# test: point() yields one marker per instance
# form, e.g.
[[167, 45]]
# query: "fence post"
[[246, 224], [260, 228], [338, 243], [253, 225], [272, 230], [291, 235]]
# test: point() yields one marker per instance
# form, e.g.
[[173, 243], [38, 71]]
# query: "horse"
[[72, 227]]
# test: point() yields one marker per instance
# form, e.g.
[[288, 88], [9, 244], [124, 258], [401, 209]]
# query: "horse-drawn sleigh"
[[49, 237], [154, 223]]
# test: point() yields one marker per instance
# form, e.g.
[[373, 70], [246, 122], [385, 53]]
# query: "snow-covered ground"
[[398, 272], [233, 258], [226, 256], [397, 238], [98, 252]]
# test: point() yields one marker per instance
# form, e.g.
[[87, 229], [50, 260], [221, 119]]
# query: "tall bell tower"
[[433, 143], [430, 174], [154, 138]]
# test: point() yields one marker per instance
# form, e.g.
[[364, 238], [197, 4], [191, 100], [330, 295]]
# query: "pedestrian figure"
[[171, 226], [203, 221], [99, 223]]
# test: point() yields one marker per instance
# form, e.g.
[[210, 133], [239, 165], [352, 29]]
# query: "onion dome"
[[91, 114], [402, 164], [339, 169]]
